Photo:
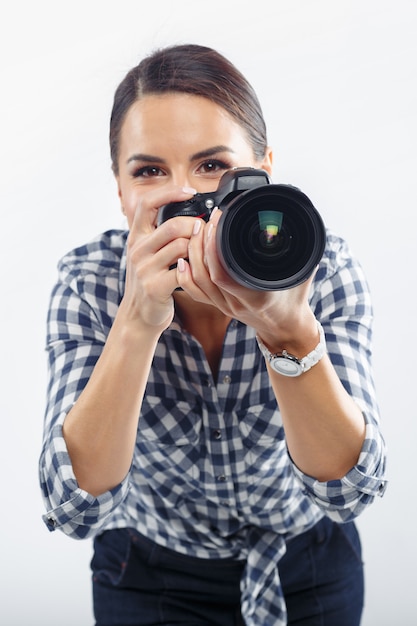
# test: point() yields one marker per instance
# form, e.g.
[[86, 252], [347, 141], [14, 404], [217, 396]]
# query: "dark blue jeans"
[[137, 583]]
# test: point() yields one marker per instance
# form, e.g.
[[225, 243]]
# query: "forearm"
[[324, 427], [100, 430]]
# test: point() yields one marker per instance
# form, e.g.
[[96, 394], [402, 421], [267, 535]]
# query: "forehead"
[[177, 117]]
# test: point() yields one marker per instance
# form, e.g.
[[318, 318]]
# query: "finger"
[[196, 251], [148, 205], [164, 244], [186, 282], [211, 257], [193, 276]]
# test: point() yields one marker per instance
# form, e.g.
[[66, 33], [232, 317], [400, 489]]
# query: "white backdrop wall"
[[338, 85]]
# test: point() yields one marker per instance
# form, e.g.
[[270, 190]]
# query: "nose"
[[181, 178]]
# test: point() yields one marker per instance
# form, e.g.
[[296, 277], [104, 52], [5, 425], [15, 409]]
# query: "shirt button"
[[221, 478], [217, 434], [227, 380], [51, 523]]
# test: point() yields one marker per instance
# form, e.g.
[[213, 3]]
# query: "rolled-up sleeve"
[[82, 307], [343, 500], [69, 508], [341, 301]]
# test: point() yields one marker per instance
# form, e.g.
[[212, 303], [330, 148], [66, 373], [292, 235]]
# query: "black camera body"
[[269, 237], [201, 205]]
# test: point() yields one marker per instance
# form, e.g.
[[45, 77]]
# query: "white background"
[[337, 80]]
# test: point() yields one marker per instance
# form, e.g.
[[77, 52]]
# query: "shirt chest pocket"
[[169, 422], [261, 425]]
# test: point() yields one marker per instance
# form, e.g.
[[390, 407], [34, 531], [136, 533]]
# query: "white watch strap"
[[305, 363], [315, 355]]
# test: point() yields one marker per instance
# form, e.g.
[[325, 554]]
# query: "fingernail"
[[197, 226], [189, 190], [181, 265], [214, 211], [210, 231]]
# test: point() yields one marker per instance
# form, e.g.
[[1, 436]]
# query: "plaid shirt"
[[211, 475]]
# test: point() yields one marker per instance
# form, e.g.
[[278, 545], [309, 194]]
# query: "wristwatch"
[[289, 365]]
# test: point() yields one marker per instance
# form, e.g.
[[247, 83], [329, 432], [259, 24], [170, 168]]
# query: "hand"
[[151, 253], [284, 314]]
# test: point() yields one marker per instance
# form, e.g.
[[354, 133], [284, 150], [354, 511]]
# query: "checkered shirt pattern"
[[211, 476]]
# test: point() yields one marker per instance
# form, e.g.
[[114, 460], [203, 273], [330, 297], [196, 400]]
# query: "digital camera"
[[269, 236]]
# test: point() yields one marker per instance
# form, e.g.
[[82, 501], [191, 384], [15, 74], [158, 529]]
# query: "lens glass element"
[[269, 229]]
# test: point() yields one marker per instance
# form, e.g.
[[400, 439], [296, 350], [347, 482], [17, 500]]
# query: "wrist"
[[298, 336], [133, 333], [287, 363], [144, 320]]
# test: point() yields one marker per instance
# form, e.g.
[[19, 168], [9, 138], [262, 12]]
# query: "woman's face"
[[179, 140]]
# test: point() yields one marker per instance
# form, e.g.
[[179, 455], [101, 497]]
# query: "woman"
[[169, 437]]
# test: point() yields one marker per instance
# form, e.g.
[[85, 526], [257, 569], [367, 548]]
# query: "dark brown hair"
[[192, 69]]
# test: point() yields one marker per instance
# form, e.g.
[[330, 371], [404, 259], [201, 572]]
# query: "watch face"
[[287, 365]]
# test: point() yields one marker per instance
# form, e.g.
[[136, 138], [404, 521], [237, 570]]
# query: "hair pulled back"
[[196, 70]]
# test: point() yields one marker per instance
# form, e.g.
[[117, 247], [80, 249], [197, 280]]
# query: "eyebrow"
[[210, 152], [150, 158], [147, 158]]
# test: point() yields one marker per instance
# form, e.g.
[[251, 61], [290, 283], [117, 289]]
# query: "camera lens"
[[270, 237]]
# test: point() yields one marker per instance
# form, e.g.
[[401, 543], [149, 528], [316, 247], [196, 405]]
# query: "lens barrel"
[[270, 238]]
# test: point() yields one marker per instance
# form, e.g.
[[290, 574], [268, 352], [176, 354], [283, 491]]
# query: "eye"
[[147, 171], [214, 166]]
